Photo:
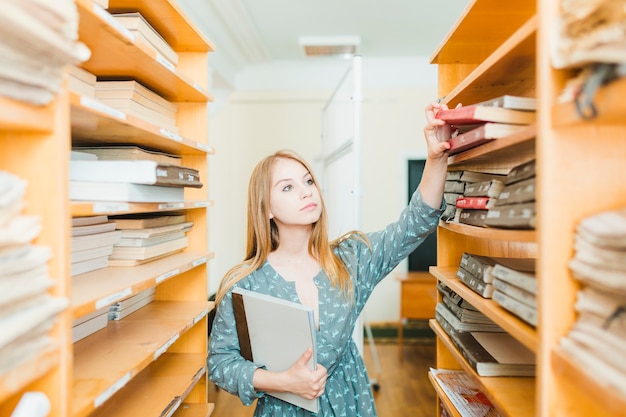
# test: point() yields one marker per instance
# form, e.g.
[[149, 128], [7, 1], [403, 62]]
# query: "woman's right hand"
[[298, 379], [304, 382]]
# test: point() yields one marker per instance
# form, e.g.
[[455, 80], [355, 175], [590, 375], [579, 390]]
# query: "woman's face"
[[294, 197]]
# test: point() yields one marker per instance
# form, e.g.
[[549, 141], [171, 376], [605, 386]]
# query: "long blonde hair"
[[262, 233]]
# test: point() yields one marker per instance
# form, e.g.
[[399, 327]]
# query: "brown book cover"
[[518, 192], [489, 188], [512, 216], [495, 354], [473, 217], [482, 134], [146, 220], [242, 326], [520, 172]]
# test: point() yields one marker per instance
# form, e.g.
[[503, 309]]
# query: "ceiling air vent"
[[332, 46]]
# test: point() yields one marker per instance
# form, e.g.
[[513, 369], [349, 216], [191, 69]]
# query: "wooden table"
[[418, 297]]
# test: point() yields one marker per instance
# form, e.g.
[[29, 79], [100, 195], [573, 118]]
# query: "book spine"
[[473, 217], [526, 313], [467, 140], [519, 294], [241, 323], [473, 203], [474, 283], [517, 278]]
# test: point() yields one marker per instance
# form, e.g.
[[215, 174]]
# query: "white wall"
[[268, 111]]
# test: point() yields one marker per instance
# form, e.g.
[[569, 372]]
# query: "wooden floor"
[[404, 388]]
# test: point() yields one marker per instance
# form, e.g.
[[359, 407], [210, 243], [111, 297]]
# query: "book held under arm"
[[275, 333]]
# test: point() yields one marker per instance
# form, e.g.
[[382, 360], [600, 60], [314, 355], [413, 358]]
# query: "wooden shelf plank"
[[94, 124], [19, 116], [167, 18], [86, 208], [194, 410], [132, 344], [443, 397], [612, 402], [518, 328], [490, 232], [479, 30], [512, 396], [97, 289], [158, 390], [116, 56], [510, 69], [609, 103], [498, 155]]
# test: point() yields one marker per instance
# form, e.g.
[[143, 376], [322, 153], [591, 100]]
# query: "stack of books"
[[147, 237], [515, 206], [89, 324], [497, 118], [477, 199], [92, 243], [43, 40], [28, 311], [486, 346], [458, 198], [147, 35], [81, 81], [121, 309], [136, 100], [126, 178], [515, 287], [597, 340], [455, 314], [510, 282]]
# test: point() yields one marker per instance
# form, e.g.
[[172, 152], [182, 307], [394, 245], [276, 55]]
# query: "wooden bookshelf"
[[512, 396], [152, 362], [576, 162]]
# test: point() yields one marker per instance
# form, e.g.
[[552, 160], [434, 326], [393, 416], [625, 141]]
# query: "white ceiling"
[[252, 32]]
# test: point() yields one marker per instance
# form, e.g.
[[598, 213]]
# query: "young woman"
[[289, 255]]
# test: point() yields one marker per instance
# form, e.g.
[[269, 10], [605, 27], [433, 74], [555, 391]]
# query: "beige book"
[[138, 25], [130, 153], [127, 88]]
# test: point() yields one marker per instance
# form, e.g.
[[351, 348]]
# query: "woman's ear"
[[271, 215]]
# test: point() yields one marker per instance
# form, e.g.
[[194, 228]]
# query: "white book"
[[519, 294], [136, 23], [136, 172], [517, 271], [92, 323], [89, 265], [98, 240], [124, 192], [148, 252], [523, 311], [275, 333], [512, 102], [140, 303], [149, 241], [121, 305], [89, 220], [93, 253], [155, 231], [92, 229]]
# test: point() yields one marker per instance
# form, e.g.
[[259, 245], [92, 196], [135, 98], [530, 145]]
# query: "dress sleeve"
[[389, 246], [227, 368]]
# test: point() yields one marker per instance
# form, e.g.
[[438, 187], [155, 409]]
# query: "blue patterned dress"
[[348, 392]]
